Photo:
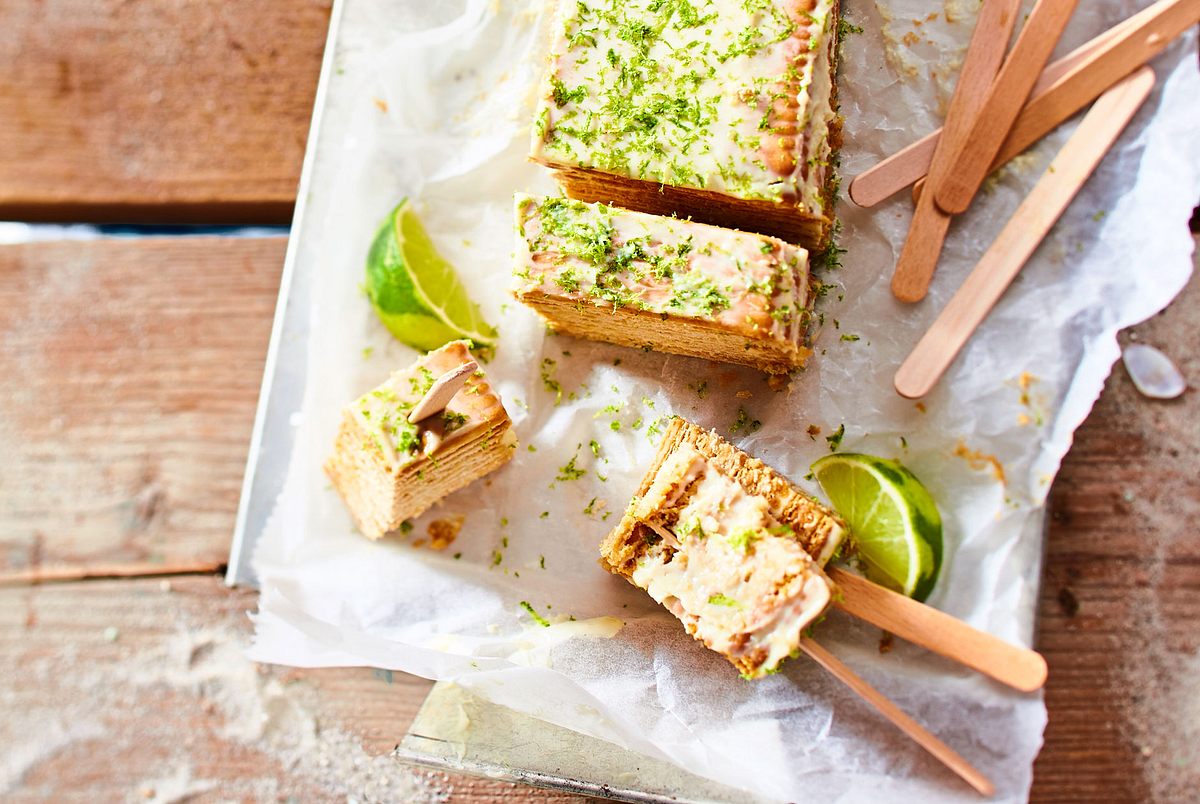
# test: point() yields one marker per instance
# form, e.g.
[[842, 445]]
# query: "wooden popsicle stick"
[[1135, 42], [893, 173], [1053, 101], [1057, 69], [927, 232], [956, 187], [911, 163], [985, 54], [1022, 234], [442, 391], [1126, 47], [919, 734], [939, 632], [922, 249]]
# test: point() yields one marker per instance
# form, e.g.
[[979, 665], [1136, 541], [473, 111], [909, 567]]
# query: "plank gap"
[[40, 576]]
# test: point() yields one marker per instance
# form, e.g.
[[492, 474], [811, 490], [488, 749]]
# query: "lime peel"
[[415, 291], [894, 523]]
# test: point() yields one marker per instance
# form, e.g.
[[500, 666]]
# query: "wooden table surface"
[[131, 373]]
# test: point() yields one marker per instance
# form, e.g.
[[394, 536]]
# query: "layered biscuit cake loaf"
[[388, 469], [663, 284], [720, 110], [728, 546]]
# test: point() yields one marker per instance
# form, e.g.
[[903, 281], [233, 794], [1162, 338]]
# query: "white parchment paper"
[[440, 115]]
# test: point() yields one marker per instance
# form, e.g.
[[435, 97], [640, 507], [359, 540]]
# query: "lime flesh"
[[415, 291], [894, 524]]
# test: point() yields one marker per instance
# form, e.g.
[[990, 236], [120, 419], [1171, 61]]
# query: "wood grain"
[[927, 231], [1021, 235], [148, 677], [1041, 32], [160, 110], [939, 632], [1121, 589], [133, 369]]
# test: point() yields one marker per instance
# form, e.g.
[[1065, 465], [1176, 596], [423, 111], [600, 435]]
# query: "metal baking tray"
[[503, 744]]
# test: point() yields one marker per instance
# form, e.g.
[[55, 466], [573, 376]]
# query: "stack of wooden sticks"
[[1001, 105]]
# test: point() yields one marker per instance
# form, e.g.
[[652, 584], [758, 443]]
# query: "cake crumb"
[[980, 460], [443, 532]]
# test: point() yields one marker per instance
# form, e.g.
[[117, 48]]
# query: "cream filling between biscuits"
[[720, 568], [608, 256]]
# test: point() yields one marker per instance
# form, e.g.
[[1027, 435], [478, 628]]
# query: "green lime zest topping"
[[690, 529], [744, 424], [549, 382], [696, 294], [835, 438], [653, 264], [452, 420], [650, 100], [421, 382], [569, 471], [742, 539], [537, 618]]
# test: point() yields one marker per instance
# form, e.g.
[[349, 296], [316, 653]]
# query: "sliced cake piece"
[[728, 546], [388, 469], [721, 110], [663, 284]]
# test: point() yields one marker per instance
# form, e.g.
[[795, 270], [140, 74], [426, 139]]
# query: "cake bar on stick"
[[699, 484], [728, 546], [735, 552]]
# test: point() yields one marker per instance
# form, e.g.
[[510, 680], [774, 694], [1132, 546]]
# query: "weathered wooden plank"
[[164, 110], [131, 375], [138, 689], [1121, 590]]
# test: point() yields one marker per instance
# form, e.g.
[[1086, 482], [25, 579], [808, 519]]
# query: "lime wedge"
[[894, 523], [415, 291]]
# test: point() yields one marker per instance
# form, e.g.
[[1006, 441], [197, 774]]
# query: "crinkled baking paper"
[[439, 108]]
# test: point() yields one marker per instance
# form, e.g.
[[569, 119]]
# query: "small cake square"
[[721, 110], [388, 469], [728, 546], [663, 284]]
